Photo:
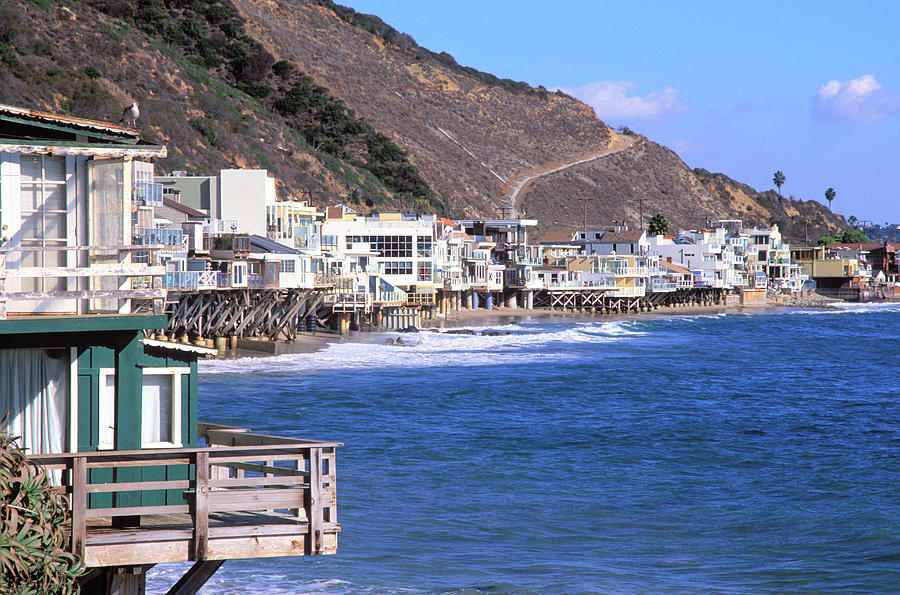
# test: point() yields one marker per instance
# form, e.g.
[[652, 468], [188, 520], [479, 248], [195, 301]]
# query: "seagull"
[[130, 113]]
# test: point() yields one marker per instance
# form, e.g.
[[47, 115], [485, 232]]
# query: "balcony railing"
[[111, 275], [182, 280], [244, 495], [172, 239]]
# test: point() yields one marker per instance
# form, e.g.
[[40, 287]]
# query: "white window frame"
[[176, 374], [106, 405]]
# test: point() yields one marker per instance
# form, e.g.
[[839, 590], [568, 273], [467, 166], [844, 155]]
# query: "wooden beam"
[[313, 503], [87, 294], [194, 579], [79, 505], [97, 270], [200, 508]]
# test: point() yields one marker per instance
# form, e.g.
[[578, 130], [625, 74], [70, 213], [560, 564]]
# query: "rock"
[[399, 341], [460, 331], [490, 333], [409, 329], [389, 341]]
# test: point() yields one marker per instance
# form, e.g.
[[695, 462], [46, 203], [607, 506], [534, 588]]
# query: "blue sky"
[[745, 88]]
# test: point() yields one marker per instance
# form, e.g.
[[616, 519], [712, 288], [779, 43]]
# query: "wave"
[[837, 308], [242, 579], [513, 343]]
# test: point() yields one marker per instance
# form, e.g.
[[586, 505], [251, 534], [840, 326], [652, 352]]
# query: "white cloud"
[[861, 99], [611, 101]]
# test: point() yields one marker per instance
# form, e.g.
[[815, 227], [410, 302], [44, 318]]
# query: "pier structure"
[[275, 314], [608, 301]]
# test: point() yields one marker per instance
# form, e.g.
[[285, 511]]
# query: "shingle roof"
[[558, 236], [263, 244], [621, 237], [674, 267]]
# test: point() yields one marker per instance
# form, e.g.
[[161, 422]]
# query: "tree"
[[851, 236], [829, 196], [659, 225], [852, 220], [778, 180]]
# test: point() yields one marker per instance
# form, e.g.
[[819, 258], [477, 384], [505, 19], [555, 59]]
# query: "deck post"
[[313, 503], [200, 510], [194, 579], [79, 505]]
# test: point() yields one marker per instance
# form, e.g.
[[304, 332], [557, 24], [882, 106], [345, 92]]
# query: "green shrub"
[[90, 72], [34, 546], [205, 128]]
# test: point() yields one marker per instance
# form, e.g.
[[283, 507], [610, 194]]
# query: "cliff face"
[[342, 108]]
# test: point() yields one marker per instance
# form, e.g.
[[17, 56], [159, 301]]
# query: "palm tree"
[[778, 180], [659, 225], [852, 220], [829, 196]]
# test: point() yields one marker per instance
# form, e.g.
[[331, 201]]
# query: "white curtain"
[[34, 392]]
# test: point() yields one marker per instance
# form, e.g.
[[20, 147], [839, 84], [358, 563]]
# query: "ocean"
[[729, 453]]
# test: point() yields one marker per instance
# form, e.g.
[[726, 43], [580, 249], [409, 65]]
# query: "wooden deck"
[[245, 496]]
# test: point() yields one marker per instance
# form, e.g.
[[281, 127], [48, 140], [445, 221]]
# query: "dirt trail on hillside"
[[513, 200]]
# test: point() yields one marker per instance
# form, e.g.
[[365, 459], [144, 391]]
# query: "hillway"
[[511, 203]]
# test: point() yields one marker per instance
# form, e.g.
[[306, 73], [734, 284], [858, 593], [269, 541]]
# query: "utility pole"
[[584, 215]]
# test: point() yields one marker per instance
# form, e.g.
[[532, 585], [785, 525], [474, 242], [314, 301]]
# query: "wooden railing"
[[243, 495]]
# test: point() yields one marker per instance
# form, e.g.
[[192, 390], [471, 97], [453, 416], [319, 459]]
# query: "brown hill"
[[340, 107]]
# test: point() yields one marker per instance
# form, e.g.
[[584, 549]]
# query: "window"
[[43, 196], [288, 266], [329, 242], [423, 247], [397, 268], [106, 416], [161, 407], [424, 272]]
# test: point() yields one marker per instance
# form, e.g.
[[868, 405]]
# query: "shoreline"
[[480, 319]]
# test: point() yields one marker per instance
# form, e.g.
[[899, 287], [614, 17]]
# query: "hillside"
[[342, 108]]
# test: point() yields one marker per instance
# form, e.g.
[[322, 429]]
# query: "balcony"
[[243, 495], [109, 274], [348, 301], [173, 239]]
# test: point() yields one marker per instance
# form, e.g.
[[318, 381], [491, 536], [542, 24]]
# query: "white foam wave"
[[837, 308], [236, 579], [514, 343]]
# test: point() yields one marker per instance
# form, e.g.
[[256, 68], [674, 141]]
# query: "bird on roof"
[[130, 114]]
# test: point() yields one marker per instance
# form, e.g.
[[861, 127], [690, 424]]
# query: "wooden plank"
[[313, 502], [135, 536], [85, 294], [79, 505], [255, 500], [194, 579], [297, 478], [201, 506], [221, 532], [136, 486], [97, 513], [97, 270]]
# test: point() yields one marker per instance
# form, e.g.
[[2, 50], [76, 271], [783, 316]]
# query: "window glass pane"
[[55, 197], [156, 413], [107, 413], [30, 196], [55, 169]]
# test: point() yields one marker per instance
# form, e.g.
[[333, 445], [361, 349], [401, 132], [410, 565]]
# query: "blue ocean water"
[[727, 453]]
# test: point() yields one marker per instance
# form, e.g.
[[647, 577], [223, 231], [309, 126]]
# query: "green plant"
[[778, 179], [829, 196], [204, 127], [33, 543], [90, 72], [659, 225]]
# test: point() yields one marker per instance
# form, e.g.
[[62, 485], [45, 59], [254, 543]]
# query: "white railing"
[[131, 280]]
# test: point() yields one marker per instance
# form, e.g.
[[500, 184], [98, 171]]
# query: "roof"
[[674, 267], [31, 131], [174, 204], [580, 263], [50, 121], [621, 237], [558, 236], [262, 244], [446, 222]]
